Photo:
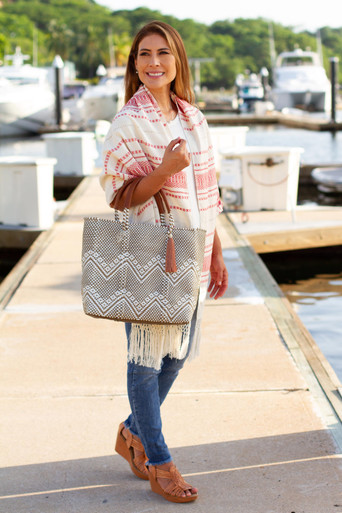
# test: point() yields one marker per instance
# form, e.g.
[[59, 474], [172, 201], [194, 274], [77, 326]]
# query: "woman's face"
[[155, 63]]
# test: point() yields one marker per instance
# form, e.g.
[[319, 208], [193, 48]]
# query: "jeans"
[[147, 388]]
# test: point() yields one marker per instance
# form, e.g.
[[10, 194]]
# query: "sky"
[[300, 14]]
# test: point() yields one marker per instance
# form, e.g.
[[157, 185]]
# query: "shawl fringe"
[[150, 343]]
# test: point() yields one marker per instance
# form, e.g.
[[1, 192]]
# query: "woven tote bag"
[[137, 272]]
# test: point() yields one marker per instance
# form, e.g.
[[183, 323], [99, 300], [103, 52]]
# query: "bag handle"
[[123, 197], [118, 202], [122, 202]]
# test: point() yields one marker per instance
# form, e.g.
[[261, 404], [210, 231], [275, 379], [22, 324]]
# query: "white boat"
[[104, 100], [300, 81], [328, 179], [249, 90], [73, 105], [27, 100]]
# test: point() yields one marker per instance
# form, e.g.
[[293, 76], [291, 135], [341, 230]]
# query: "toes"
[[189, 493]]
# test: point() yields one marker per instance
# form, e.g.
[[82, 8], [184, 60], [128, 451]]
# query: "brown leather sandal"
[[125, 447], [177, 486]]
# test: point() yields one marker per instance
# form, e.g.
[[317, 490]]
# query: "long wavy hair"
[[181, 85]]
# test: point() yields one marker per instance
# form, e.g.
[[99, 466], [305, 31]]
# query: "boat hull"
[[300, 81], [328, 180], [104, 107], [26, 116], [104, 100], [308, 100]]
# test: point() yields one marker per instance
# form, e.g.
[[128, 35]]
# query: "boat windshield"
[[297, 61], [313, 73]]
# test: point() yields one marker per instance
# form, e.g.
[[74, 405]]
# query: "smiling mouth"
[[156, 74]]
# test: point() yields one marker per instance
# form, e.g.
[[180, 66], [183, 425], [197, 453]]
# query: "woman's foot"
[[129, 446], [167, 481]]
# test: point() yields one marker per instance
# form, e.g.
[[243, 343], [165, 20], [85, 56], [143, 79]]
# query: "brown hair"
[[181, 84]]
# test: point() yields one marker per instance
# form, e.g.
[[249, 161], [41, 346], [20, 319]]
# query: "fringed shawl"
[[134, 146]]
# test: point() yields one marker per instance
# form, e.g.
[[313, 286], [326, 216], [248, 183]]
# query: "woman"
[[159, 135]]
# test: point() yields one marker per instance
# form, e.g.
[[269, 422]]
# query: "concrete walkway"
[[247, 421]]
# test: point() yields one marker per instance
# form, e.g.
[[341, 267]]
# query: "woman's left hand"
[[219, 276]]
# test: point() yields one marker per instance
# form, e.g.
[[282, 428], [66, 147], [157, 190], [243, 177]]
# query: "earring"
[[136, 71]]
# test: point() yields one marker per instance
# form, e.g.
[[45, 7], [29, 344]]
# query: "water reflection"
[[319, 147], [318, 302]]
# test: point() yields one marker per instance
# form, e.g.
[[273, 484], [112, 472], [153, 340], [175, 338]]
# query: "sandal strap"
[[133, 442], [175, 490], [177, 483], [136, 444], [140, 460]]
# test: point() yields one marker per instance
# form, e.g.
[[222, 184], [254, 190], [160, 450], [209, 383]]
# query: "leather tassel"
[[170, 264]]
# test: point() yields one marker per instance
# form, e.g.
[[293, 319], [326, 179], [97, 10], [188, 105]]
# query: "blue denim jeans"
[[147, 388]]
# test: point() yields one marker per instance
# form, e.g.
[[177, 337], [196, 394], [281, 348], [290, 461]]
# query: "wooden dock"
[[260, 380], [304, 120], [304, 227]]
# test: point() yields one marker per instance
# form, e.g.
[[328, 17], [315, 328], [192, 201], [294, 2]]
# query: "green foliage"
[[3, 44], [80, 30]]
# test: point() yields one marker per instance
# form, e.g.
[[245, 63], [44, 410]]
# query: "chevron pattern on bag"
[[123, 272]]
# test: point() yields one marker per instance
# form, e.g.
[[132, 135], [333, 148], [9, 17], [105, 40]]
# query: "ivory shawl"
[[134, 146]]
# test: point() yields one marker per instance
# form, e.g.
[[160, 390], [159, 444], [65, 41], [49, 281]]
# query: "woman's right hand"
[[176, 156]]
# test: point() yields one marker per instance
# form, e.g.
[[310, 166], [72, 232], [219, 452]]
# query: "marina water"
[[318, 302], [313, 282], [319, 147], [317, 297]]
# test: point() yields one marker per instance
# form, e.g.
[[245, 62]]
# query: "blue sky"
[[302, 14]]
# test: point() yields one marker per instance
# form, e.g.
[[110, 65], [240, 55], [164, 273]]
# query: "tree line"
[[81, 31]]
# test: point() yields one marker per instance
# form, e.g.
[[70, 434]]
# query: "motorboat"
[[328, 179], [72, 103], [27, 100], [300, 81], [104, 100], [249, 90]]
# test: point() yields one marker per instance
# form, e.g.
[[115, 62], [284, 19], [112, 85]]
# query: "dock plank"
[[296, 239], [272, 231], [298, 120]]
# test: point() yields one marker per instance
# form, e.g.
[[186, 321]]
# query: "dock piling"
[[333, 76], [58, 65]]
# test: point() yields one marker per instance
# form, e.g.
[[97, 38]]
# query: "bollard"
[[333, 76]]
